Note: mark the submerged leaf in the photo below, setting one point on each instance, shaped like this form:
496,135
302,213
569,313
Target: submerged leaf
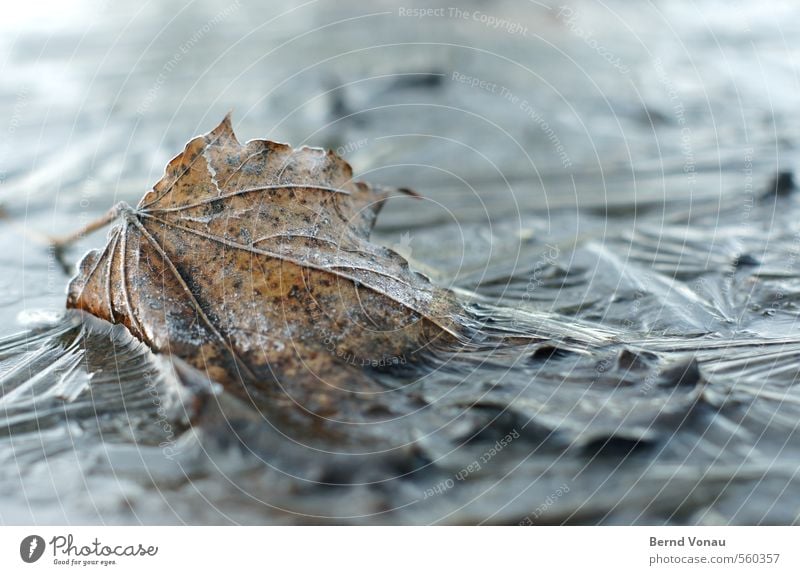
252,262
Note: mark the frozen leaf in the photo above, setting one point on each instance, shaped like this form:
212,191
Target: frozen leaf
252,262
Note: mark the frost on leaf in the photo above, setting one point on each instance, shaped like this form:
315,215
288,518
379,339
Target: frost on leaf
252,262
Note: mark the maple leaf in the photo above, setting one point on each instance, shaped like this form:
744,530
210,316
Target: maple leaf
252,263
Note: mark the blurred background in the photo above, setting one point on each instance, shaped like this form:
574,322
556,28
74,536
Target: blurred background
490,109
522,123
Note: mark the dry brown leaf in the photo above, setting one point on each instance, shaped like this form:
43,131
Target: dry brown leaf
252,262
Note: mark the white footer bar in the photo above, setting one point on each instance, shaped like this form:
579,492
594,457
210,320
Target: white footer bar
399,550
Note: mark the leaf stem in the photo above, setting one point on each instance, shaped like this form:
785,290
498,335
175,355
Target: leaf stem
63,242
